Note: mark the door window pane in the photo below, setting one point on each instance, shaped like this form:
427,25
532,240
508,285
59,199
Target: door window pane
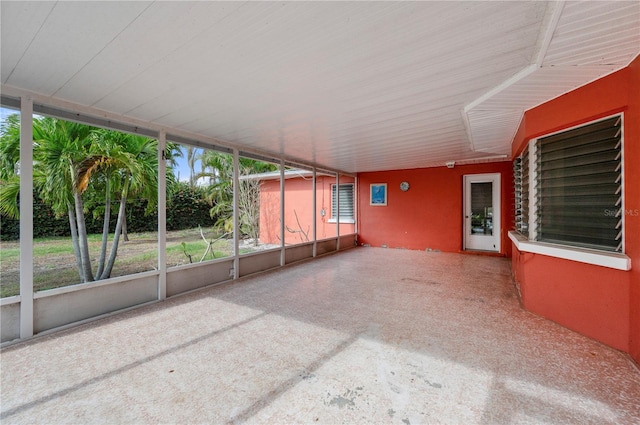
482,208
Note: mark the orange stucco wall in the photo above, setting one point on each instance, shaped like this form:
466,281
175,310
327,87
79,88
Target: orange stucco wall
299,203
429,214
596,301
592,300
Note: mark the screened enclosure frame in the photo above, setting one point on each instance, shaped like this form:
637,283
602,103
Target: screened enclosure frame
23,310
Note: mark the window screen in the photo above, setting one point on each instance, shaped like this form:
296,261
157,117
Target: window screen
521,189
578,188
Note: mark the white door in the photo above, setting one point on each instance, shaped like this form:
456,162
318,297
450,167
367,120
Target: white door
482,212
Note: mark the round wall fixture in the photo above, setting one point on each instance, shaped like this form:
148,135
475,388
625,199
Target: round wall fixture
404,186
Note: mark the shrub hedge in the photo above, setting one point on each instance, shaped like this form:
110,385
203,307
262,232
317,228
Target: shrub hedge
186,208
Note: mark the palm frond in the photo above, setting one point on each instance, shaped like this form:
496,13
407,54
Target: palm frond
87,167
9,191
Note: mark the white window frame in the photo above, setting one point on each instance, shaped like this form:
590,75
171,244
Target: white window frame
614,260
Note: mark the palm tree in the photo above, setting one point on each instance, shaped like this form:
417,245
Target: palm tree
9,146
128,164
72,159
59,149
219,168
9,165
192,157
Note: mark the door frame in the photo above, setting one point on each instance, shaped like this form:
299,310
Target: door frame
494,178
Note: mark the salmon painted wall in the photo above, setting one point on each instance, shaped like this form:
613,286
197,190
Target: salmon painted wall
429,214
596,301
269,223
299,210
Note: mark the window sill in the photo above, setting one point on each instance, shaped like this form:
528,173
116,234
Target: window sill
582,255
342,220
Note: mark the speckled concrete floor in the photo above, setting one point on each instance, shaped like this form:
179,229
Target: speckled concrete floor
365,336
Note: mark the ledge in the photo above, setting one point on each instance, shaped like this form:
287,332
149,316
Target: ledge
88,285
206,263
14,299
342,220
588,256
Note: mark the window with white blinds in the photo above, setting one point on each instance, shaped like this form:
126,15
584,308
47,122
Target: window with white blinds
578,186
346,201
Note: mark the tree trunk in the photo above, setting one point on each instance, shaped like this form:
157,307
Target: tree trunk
116,237
125,235
82,238
105,228
73,226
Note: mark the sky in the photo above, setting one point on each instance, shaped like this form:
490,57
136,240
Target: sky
5,112
181,171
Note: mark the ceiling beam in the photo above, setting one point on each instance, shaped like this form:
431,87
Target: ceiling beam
547,30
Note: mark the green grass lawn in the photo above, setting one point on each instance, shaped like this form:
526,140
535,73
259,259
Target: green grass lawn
41,247
55,266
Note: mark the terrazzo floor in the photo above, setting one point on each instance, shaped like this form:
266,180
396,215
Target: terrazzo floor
369,335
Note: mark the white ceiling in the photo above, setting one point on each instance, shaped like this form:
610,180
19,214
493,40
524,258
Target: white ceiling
354,86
